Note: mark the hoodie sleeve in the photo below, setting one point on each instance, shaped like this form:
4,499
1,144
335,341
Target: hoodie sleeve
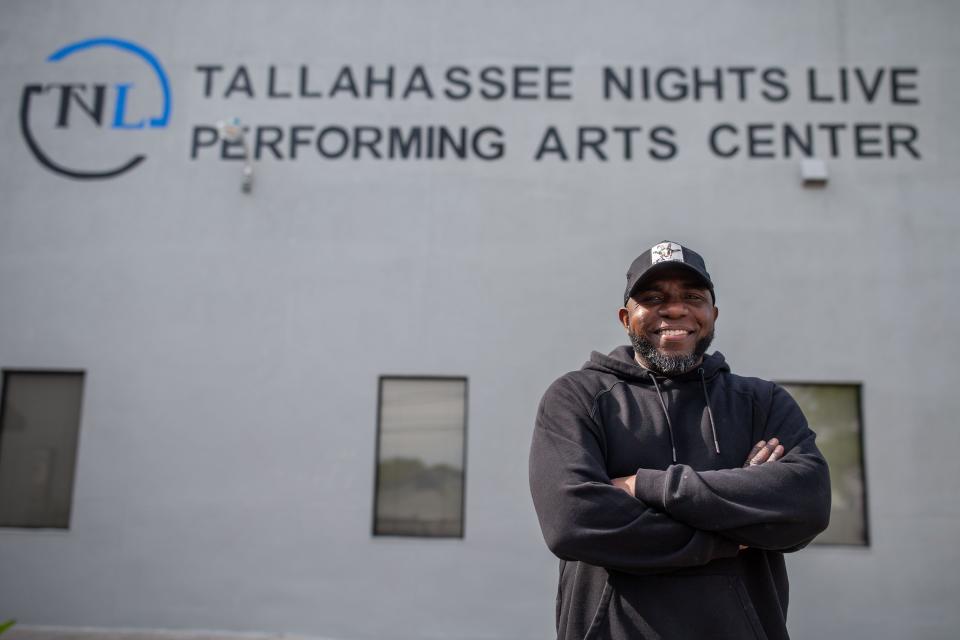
584,517
780,505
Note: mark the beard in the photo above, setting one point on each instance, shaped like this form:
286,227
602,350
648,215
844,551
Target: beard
666,363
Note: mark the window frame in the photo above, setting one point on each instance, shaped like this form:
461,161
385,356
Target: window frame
376,456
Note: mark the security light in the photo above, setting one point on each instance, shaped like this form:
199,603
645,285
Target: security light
232,131
814,172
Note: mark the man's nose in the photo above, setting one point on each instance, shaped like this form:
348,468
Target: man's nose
674,308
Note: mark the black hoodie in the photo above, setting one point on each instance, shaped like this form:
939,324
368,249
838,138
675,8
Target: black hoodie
666,563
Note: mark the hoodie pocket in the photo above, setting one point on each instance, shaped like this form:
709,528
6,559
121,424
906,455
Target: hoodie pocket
676,607
597,625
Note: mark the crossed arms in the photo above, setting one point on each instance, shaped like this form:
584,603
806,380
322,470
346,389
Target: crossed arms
676,517
762,453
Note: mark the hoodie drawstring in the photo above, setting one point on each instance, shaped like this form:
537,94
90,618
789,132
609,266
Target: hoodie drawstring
673,446
666,414
706,396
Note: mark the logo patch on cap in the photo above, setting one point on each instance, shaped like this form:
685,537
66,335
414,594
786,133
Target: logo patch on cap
666,251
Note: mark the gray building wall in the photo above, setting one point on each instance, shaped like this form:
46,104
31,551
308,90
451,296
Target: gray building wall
233,342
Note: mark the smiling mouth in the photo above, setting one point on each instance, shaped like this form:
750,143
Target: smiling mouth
673,333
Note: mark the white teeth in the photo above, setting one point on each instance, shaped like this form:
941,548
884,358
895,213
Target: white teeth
673,332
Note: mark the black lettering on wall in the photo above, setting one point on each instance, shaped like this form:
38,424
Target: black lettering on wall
554,84
202,137
900,82
492,77
520,83
627,133
812,92
272,91
373,81
664,147
832,129
268,137
457,76
699,83
866,145
208,70
592,138
366,137
672,92
551,143
902,135
494,149
233,149
791,138
623,85
727,151
240,83
419,83
345,82
869,88
408,147
305,91
741,73
447,140
324,147
775,84
760,140
296,140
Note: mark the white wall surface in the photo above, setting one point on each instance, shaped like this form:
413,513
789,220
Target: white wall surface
233,342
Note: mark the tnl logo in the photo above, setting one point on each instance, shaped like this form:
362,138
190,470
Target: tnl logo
101,103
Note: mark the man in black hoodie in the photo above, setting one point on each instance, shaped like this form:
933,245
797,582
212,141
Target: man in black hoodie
669,487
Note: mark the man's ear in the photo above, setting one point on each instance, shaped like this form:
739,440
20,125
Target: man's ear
624,315
716,312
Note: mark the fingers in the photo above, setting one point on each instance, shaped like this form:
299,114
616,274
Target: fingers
764,452
753,452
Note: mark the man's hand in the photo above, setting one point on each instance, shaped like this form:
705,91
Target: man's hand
627,483
764,452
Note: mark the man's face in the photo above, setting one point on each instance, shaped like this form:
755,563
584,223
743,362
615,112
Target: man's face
670,320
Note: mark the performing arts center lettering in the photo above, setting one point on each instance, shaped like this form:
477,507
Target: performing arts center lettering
722,90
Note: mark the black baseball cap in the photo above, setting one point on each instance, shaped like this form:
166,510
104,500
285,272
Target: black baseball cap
665,255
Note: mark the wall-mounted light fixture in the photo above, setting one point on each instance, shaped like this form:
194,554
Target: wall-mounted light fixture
813,172
232,131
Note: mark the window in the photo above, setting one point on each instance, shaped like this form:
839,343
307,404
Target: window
39,426
833,411
421,431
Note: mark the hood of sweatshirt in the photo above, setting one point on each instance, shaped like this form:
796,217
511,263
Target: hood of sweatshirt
621,363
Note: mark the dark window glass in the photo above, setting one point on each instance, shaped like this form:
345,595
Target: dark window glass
420,457
39,426
833,411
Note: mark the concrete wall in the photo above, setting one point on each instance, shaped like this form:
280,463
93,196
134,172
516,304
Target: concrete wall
233,342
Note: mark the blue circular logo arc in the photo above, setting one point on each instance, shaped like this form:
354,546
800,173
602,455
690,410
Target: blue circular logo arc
124,45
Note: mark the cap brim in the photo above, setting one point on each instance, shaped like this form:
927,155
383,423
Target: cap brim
660,267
